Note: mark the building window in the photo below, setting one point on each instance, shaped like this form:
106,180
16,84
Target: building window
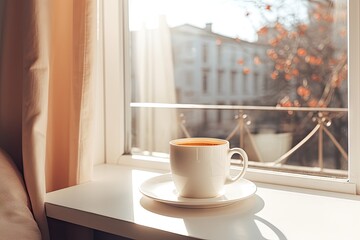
245,84
220,81
233,82
219,52
256,84
205,53
205,81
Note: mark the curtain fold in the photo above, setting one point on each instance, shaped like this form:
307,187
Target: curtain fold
35,105
85,74
49,102
72,93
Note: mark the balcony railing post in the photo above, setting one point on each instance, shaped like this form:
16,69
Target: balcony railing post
320,146
241,128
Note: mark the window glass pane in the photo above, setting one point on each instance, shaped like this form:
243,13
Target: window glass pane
269,76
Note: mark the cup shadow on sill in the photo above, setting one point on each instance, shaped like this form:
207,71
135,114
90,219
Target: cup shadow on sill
238,219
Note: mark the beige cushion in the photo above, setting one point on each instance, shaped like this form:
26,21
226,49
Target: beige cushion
16,219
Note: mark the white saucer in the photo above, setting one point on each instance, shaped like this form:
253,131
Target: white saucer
162,189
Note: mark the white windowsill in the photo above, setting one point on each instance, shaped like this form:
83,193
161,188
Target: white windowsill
256,175
113,203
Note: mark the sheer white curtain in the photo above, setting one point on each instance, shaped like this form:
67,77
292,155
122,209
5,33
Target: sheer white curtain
154,75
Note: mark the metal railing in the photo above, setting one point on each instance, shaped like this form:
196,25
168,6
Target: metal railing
322,117
321,127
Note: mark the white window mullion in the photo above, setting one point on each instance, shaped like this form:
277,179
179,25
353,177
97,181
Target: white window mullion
126,75
354,93
114,78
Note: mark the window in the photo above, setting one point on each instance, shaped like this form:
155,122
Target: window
219,52
245,82
295,108
205,81
220,81
233,82
256,83
205,53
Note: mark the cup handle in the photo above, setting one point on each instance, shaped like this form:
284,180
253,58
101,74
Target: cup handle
242,153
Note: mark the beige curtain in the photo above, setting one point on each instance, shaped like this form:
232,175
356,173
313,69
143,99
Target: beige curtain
11,79
47,71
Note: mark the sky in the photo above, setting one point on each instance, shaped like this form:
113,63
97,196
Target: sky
233,18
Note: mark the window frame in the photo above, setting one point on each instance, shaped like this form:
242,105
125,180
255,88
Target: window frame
115,48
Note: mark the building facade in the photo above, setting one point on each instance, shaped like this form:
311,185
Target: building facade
213,69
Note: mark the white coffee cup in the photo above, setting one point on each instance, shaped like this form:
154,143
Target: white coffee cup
200,167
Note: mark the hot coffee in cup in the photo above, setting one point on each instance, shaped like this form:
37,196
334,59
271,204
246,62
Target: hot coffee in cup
201,166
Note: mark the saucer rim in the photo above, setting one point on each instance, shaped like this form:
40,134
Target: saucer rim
193,202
